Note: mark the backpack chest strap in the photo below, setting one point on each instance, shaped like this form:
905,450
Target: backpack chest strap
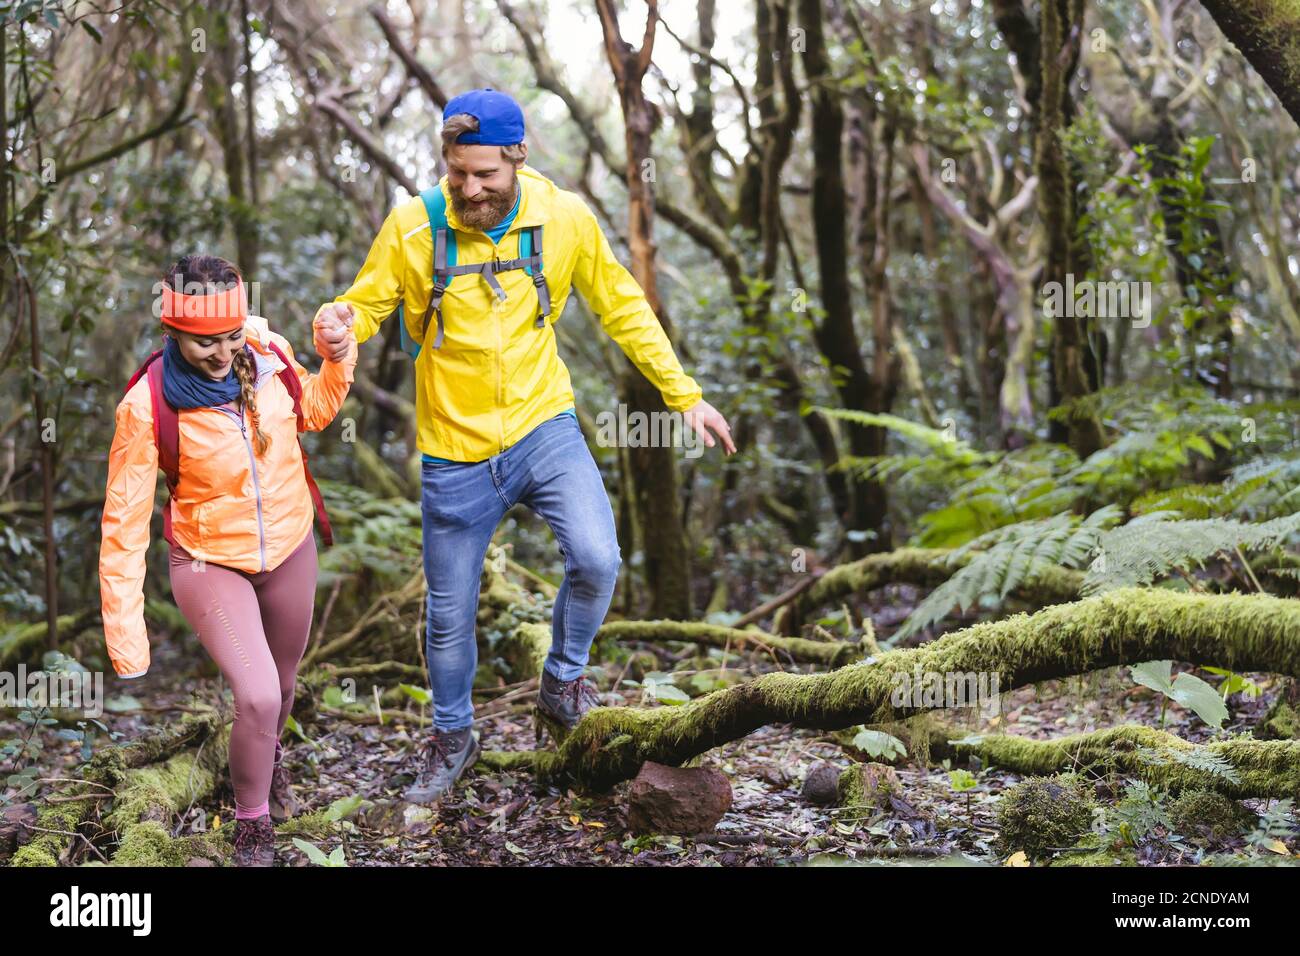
443,274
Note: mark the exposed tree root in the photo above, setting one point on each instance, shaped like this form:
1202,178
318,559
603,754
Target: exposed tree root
1243,632
146,775
924,567
390,612
27,641
829,654
1263,768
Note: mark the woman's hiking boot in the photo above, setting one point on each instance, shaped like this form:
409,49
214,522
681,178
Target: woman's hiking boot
254,842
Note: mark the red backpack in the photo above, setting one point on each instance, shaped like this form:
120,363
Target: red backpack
166,435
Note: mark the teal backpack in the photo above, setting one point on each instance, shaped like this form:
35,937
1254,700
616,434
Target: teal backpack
445,270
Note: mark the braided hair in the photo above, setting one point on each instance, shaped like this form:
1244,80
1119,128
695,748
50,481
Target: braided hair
221,275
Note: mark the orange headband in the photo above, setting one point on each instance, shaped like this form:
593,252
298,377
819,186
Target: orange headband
205,314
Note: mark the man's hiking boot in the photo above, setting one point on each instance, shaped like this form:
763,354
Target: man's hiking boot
282,802
254,842
446,755
561,704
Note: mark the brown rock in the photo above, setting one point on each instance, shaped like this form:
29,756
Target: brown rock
16,824
821,784
680,800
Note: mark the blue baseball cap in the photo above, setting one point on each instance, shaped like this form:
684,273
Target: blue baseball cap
500,120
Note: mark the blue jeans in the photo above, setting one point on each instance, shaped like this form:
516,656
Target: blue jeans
552,472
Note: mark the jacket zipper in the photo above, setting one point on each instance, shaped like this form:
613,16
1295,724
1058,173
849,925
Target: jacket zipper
257,489
501,425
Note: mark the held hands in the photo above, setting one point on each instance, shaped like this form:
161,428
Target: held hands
704,418
333,327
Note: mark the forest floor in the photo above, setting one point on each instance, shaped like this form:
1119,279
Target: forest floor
503,818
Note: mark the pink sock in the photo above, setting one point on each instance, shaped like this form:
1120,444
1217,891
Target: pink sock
253,814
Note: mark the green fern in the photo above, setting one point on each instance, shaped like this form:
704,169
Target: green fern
1151,547
1275,823
944,443
1197,759
1008,557
1261,488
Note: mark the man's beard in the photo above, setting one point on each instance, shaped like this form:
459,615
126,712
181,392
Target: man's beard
488,213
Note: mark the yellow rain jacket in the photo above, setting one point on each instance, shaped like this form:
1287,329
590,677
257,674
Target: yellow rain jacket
497,376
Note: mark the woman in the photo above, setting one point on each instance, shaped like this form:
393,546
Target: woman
243,556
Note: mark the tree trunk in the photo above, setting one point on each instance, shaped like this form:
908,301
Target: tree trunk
657,490
1267,32
1073,360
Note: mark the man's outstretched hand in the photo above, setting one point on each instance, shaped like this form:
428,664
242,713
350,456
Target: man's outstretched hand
333,331
706,419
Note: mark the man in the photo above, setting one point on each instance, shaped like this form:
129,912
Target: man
495,407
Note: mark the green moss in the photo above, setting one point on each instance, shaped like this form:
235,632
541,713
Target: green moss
1209,814
1097,851
311,826
1044,814
146,792
150,844
46,848
828,654
525,648
1281,723
867,787
1262,768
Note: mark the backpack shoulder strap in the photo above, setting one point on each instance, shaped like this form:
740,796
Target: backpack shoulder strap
292,384
534,237
435,208
166,426
166,431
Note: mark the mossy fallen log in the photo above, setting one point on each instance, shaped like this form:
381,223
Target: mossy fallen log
1242,632
27,642
123,770
148,798
1254,768
390,620
924,567
829,654
524,649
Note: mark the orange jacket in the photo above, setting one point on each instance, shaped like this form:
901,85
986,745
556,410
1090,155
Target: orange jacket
228,508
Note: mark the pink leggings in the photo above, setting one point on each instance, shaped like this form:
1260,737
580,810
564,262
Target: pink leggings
255,626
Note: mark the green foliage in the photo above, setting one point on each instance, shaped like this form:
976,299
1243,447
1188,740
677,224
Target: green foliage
20,755
1202,760
380,536
1276,823
1151,547
953,452
1008,558
962,780
1187,690
879,745
317,857
1138,813
1234,683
